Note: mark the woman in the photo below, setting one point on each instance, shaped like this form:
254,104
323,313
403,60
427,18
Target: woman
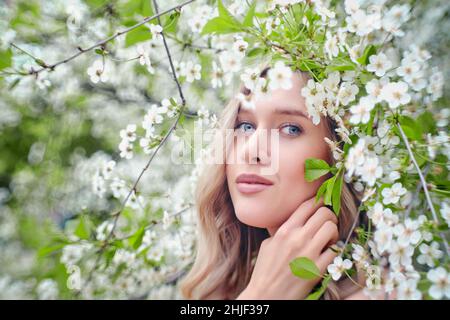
250,232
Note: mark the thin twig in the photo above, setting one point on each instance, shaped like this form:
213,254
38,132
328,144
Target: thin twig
26,52
180,91
192,45
355,222
155,223
103,42
424,184
419,185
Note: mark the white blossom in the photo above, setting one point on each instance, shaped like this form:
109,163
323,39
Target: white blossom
129,134
338,267
445,212
441,283
429,253
361,110
408,232
331,45
379,64
370,171
393,194
407,290
280,76
156,31
192,71
97,72
126,149
347,93
144,58
400,254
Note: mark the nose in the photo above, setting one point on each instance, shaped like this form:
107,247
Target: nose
256,148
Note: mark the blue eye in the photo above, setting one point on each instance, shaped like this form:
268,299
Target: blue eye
293,130
244,126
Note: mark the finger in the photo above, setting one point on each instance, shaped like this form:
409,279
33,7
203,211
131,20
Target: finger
325,259
301,214
327,235
316,221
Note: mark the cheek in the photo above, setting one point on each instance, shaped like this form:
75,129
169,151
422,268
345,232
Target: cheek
292,170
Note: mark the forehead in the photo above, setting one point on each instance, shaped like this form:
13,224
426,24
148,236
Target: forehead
290,101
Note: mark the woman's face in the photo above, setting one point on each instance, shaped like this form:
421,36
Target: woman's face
250,153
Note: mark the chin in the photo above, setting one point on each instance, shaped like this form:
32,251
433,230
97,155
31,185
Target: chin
254,219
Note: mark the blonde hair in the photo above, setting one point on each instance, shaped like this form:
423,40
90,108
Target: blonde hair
226,247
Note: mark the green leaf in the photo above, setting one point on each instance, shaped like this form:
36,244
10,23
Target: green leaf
315,168
329,191
219,25
182,119
304,268
223,24
317,294
305,65
205,62
336,196
146,8
248,20
133,7
82,229
170,24
136,239
411,128
45,251
40,62
173,102
369,125
109,254
339,65
427,122
321,190
138,35
5,59
370,50
311,16
342,67
255,52
14,83
225,14
440,191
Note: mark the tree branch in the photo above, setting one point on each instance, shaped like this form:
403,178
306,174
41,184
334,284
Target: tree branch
172,128
103,42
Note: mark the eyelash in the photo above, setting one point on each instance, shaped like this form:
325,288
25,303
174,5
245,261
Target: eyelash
300,130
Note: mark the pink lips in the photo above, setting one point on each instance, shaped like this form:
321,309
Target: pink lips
252,183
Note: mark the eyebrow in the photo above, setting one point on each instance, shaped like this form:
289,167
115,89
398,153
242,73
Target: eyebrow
291,112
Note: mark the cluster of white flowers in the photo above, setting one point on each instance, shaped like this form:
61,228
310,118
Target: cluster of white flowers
324,98
190,70
198,19
155,115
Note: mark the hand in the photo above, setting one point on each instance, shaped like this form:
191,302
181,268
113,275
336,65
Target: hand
307,233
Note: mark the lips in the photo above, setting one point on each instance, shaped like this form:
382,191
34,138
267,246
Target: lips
252,183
